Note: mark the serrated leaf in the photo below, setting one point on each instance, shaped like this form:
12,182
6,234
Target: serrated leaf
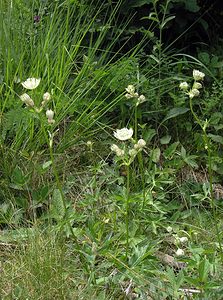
174,112
216,138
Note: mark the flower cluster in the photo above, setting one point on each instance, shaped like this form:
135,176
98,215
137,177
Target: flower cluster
194,91
125,134
31,84
131,93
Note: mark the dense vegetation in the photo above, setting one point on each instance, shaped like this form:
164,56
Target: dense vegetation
111,133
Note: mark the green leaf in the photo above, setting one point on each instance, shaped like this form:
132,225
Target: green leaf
156,155
139,3
174,112
192,5
216,138
170,151
165,139
57,206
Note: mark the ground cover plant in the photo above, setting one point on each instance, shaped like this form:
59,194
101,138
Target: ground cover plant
111,152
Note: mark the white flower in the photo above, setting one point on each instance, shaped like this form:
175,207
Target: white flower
114,148
49,114
140,144
179,252
27,100
117,150
123,134
198,75
141,99
184,86
131,92
46,97
130,89
169,229
197,85
31,83
120,152
183,239
132,152
193,93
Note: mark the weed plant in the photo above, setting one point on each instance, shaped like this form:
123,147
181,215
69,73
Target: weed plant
110,164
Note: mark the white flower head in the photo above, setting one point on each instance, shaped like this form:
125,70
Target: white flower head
120,152
49,114
197,85
198,75
46,97
130,89
27,100
193,93
123,134
140,144
179,252
114,148
31,83
169,229
184,86
117,150
141,99
183,239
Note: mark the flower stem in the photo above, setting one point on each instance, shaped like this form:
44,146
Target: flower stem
127,211
210,175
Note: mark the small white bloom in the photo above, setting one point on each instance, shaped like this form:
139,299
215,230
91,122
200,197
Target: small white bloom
114,148
49,114
193,93
179,252
169,229
197,85
27,100
141,99
198,75
183,239
140,144
128,96
117,150
132,152
120,152
130,89
184,86
31,83
123,134
46,97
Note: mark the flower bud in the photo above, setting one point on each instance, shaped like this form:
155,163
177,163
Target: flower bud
27,100
198,75
193,93
184,86
183,239
179,252
46,96
197,85
49,114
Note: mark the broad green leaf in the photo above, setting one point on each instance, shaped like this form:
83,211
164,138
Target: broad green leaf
156,155
165,139
57,206
174,112
170,151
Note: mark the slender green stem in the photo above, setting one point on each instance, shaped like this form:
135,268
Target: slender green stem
210,175
127,211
